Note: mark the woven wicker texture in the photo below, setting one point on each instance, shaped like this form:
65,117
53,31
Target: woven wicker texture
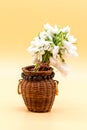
27,71
38,95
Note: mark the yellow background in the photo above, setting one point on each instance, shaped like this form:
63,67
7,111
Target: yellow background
20,22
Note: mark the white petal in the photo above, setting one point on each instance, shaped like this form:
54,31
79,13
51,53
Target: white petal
48,26
72,39
73,53
56,29
49,35
40,57
53,61
69,45
51,30
55,51
42,35
35,59
66,29
63,68
41,51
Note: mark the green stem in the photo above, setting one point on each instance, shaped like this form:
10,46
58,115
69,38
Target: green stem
46,56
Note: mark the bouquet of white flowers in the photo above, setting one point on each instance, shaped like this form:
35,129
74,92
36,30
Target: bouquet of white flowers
54,45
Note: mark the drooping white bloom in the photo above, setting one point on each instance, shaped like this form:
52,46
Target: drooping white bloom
55,51
71,39
66,29
56,29
51,30
48,27
37,42
33,49
35,58
46,45
69,45
43,35
53,61
62,67
73,53
40,57
71,49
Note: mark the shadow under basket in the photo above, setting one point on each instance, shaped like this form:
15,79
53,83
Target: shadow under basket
38,89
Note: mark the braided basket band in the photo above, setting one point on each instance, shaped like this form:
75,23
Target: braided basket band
37,77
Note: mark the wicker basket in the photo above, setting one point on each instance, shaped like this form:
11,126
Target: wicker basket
38,89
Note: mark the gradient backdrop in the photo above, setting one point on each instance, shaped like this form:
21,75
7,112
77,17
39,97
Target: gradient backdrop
20,22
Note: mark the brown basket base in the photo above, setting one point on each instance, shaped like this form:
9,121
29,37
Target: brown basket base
41,105
38,95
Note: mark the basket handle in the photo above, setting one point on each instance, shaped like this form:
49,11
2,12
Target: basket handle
19,86
56,84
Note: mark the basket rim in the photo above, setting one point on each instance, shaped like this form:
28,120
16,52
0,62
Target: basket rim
28,72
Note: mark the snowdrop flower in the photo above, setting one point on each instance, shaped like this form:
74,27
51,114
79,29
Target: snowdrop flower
53,61
51,30
48,27
71,39
68,45
63,68
55,51
73,53
40,57
33,50
66,29
56,29
35,59
37,42
46,45
43,35
71,49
